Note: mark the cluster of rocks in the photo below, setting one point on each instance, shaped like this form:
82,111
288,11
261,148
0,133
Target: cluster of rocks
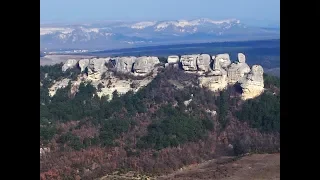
137,66
217,72
101,73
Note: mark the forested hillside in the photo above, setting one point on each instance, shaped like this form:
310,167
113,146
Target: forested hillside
152,131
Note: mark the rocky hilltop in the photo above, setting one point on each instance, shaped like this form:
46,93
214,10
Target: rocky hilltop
131,73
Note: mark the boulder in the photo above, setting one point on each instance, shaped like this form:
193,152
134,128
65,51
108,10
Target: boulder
216,79
189,62
144,65
83,64
224,60
96,67
124,64
241,58
238,70
173,59
214,83
203,62
252,85
69,64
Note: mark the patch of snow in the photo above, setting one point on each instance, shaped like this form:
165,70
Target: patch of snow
51,30
142,25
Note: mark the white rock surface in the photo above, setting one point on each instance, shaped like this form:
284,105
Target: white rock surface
69,64
189,62
224,60
144,65
252,85
124,64
173,59
216,78
203,62
241,58
214,83
238,70
96,67
83,64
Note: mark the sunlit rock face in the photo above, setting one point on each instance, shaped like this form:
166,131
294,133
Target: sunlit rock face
253,85
173,59
216,79
144,65
83,64
69,64
124,64
203,62
214,72
189,62
238,70
224,60
96,67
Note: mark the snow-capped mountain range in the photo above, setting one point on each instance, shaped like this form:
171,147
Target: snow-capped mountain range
111,35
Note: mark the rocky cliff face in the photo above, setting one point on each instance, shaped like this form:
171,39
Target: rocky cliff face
215,72
144,65
252,85
124,64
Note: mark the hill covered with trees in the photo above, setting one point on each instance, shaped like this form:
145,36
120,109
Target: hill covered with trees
152,131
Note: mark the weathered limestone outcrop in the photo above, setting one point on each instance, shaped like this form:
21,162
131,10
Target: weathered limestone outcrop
224,60
237,70
216,79
203,62
189,62
70,63
144,65
96,67
124,64
83,64
173,59
253,85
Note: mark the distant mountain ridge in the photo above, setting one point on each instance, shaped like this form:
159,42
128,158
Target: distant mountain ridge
112,35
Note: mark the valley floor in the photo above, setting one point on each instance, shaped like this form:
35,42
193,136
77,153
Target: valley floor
256,166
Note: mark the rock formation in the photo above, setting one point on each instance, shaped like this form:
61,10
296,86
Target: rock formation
218,77
173,59
189,62
83,64
252,85
70,63
144,65
196,62
203,62
237,70
224,60
96,67
124,64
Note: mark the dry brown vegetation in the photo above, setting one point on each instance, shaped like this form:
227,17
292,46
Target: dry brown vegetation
96,160
256,166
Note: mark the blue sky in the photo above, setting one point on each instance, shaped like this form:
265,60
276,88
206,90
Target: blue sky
255,12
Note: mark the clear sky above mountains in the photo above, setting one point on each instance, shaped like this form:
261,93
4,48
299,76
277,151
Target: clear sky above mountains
254,12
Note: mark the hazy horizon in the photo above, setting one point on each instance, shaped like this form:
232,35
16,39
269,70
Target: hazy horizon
251,12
